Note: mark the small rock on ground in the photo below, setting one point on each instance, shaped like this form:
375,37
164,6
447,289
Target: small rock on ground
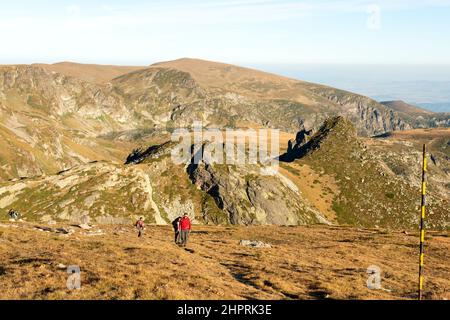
254,244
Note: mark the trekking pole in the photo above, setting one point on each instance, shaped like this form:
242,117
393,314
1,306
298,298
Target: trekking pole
422,221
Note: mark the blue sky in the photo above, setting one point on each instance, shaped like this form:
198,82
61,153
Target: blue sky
236,31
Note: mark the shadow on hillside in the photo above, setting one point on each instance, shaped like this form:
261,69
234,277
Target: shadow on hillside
139,155
299,149
316,292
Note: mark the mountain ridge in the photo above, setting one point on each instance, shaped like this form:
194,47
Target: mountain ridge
402,106
76,119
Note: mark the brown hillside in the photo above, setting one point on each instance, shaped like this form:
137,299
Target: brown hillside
242,80
315,262
402,106
89,72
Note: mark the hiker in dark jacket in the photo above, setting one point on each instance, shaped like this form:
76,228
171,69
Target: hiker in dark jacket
140,226
185,227
176,229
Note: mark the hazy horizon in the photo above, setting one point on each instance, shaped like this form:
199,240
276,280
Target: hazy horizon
427,86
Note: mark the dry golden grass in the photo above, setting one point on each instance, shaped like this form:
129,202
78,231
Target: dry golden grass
245,81
89,72
318,189
421,133
304,263
402,106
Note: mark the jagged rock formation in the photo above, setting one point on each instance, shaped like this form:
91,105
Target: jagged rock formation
371,194
369,116
247,197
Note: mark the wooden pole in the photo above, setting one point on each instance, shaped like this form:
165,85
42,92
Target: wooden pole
422,221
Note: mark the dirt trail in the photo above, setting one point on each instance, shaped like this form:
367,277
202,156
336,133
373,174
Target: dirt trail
147,187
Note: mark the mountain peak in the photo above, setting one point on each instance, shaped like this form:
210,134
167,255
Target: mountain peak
189,61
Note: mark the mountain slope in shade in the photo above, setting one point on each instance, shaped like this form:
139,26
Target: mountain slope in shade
95,73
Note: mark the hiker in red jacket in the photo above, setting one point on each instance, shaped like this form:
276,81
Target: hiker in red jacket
140,226
185,229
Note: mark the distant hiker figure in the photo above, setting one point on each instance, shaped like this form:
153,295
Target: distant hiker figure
185,227
176,229
140,226
13,214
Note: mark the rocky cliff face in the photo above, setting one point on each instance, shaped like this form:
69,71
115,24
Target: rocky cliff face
247,197
370,117
418,117
50,122
58,96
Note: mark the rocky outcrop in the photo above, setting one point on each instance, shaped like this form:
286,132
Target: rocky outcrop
435,120
247,197
369,117
378,185
98,192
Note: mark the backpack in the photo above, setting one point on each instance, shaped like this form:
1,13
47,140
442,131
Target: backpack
139,224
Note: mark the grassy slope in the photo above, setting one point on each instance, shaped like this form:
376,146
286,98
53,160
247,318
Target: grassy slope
341,180
368,196
304,263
